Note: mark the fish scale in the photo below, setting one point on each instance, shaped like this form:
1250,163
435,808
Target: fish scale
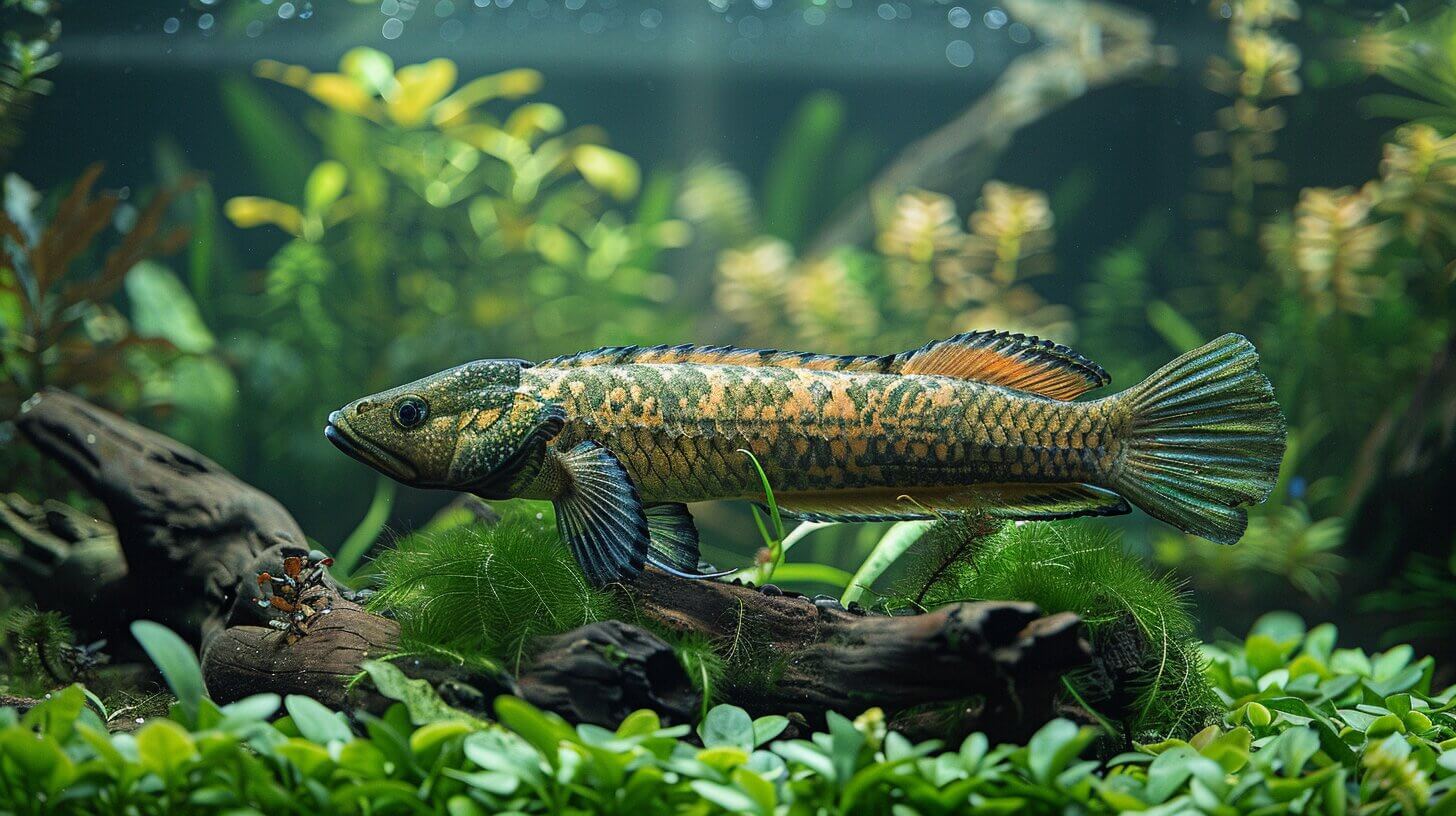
892,418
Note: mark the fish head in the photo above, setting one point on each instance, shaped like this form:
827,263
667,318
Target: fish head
467,428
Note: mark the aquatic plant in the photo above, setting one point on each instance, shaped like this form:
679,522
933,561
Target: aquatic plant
439,214
486,592
1147,673
928,277
27,55
61,329
1305,728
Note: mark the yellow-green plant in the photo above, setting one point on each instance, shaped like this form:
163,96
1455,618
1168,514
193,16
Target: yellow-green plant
447,220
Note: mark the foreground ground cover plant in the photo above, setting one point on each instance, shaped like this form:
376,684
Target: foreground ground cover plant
1305,728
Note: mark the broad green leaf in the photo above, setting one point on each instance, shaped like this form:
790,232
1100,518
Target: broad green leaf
730,799
164,747
544,730
57,714
315,721
418,696
177,663
324,186
162,307
766,728
728,726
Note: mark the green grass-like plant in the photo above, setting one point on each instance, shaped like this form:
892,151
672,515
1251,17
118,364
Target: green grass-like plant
1148,672
487,591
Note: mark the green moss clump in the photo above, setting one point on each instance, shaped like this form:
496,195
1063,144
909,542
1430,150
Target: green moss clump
1148,668
486,591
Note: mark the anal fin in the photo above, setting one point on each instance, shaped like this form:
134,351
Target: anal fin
600,516
1008,500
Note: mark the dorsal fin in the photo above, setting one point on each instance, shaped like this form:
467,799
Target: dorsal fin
997,358
1009,360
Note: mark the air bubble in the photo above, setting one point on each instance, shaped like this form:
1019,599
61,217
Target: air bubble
958,17
171,25
995,18
393,27
960,53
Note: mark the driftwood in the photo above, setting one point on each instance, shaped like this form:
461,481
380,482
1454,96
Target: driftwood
193,539
188,530
1090,45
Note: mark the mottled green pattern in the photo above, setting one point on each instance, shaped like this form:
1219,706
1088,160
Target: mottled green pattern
678,429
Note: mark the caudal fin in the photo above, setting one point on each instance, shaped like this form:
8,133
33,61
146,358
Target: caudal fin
1205,439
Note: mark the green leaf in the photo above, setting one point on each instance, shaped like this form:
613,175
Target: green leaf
732,800
324,187
57,714
897,540
277,152
352,551
1054,746
38,757
607,170
315,721
766,728
419,697
164,747
162,307
728,726
177,663
544,730
1173,327
795,183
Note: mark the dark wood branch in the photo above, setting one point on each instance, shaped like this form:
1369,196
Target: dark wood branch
1092,45
597,674
814,657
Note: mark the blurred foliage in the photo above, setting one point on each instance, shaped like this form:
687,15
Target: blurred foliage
27,34
928,277
59,330
444,223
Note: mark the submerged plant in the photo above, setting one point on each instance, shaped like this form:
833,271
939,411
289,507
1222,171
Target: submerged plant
61,329
1147,673
486,591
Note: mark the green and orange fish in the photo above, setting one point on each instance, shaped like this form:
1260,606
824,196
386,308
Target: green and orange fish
622,439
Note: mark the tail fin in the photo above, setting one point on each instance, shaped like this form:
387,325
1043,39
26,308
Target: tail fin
1204,438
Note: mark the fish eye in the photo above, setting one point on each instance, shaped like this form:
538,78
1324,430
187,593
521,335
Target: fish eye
410,411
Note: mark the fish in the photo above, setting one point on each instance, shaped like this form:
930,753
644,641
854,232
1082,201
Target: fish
622,439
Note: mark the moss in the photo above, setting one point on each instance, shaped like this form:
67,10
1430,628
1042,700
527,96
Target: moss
1148,670
486,592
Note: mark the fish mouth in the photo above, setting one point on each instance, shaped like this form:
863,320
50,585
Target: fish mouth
337,431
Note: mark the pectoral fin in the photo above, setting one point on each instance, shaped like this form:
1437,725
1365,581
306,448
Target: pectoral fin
599,515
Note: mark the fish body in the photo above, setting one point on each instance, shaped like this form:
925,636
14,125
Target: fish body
680,430
621,439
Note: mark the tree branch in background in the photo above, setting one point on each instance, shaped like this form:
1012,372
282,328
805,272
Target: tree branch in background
1089,45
